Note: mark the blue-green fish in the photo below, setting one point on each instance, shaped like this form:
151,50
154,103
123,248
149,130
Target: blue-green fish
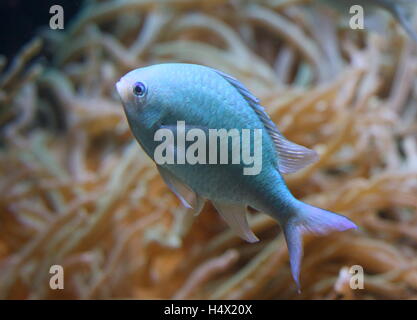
399,9
158,96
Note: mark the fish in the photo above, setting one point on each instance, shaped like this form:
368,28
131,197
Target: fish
399,9
158,97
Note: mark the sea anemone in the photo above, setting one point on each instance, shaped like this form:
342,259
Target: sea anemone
77,191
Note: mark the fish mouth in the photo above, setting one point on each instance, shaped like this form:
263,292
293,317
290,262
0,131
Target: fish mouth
121,90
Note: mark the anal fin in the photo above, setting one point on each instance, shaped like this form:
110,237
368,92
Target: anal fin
235,216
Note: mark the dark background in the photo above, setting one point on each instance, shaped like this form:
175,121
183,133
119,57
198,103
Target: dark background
21,19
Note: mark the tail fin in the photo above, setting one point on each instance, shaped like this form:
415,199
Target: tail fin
309,219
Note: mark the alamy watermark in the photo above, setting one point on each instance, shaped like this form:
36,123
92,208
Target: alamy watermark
212,146
57,19
357,278
56,282
357,20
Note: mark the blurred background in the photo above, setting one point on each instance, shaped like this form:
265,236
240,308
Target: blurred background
77,191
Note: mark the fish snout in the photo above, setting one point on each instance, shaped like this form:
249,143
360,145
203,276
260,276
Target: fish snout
122,90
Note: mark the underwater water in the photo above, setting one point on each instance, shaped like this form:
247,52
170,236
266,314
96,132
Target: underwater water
78,193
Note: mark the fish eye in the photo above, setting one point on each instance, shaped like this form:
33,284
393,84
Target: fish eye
139,89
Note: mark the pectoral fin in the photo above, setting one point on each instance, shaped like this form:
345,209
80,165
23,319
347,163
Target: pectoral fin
235,216
188,198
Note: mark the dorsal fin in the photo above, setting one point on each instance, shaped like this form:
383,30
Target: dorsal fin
291,156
